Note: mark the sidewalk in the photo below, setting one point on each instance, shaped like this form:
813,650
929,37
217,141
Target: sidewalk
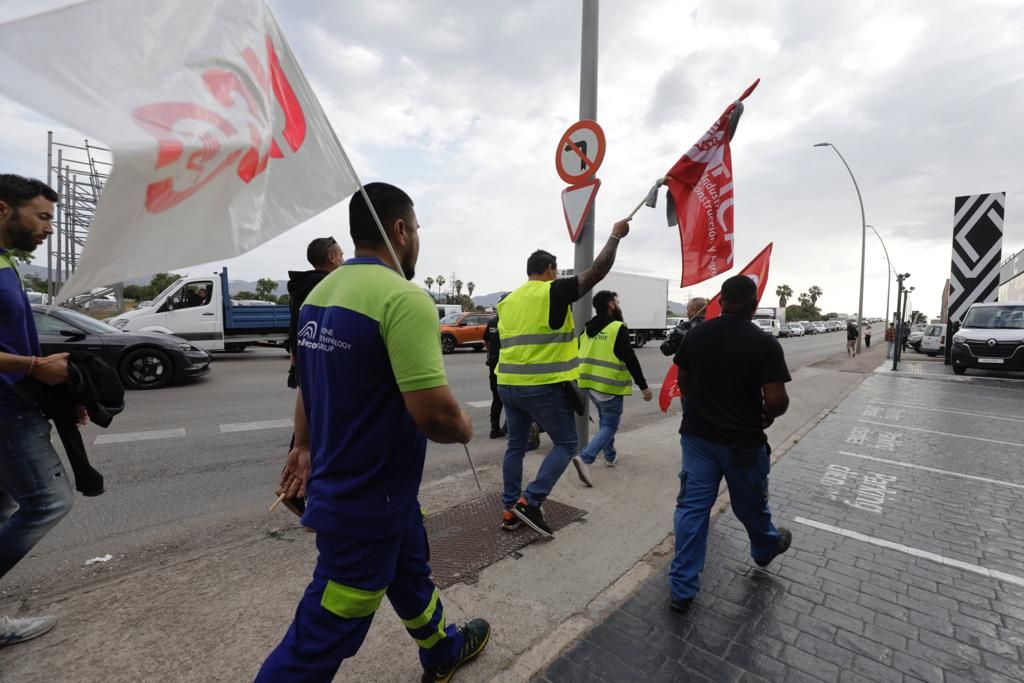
920,366
907,561
214,614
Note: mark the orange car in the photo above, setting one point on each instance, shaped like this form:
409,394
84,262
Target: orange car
464,329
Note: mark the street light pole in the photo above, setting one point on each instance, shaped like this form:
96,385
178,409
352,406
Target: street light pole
900,277
863,241
888,278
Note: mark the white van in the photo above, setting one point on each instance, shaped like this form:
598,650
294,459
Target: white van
991,337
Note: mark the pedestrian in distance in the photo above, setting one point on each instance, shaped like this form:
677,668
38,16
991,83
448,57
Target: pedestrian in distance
695,308
732,378
538,366
372,391
890,340
851,339
608,368
867,336
34,490
325,255
493,343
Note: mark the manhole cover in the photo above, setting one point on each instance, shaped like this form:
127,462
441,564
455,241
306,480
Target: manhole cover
467,538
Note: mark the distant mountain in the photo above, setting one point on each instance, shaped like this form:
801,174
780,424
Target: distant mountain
677,308
488,300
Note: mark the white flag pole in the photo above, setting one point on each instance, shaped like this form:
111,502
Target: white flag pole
366,198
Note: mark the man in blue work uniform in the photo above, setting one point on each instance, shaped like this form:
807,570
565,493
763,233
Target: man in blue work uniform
373,390
732,378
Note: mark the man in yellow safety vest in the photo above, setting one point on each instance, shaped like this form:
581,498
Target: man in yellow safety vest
539,356
608,368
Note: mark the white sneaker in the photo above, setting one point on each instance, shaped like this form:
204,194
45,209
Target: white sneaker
14,631
611,463
583,471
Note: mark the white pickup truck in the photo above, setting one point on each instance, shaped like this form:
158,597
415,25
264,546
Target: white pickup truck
200,310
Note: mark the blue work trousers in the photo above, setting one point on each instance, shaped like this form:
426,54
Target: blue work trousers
351,578
548,406
746,474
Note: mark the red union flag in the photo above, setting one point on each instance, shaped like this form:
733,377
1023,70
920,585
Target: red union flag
700,189
219,143
756,270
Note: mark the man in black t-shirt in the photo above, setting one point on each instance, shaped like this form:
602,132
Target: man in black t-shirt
732,379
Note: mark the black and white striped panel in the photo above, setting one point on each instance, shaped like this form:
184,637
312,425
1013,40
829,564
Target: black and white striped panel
977,250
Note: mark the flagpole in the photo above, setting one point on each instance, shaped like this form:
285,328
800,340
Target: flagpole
366,198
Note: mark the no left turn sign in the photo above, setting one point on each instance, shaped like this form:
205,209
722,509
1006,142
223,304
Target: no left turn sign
580,152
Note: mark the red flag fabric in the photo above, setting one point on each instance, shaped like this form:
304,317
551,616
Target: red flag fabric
700,185
756,270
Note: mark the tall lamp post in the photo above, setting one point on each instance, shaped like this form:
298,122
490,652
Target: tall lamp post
888,279
900,311
863,241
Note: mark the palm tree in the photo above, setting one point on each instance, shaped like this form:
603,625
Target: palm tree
469,288
814,292
429,282
784,292
440,283
804,299
458,288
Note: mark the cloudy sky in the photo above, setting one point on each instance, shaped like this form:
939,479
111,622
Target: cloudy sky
462,103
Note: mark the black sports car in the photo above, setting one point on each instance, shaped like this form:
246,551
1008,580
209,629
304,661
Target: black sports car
144,360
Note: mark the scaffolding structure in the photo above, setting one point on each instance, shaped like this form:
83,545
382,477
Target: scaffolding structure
78,173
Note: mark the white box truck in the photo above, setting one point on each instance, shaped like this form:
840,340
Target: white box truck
644,300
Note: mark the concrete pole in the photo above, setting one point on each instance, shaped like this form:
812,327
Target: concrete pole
584,256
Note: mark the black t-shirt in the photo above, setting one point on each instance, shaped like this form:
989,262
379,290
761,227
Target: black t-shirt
727,360
564,293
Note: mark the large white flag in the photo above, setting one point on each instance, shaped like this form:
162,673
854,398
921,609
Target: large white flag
219,143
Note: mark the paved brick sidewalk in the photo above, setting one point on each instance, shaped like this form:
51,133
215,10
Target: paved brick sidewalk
907,562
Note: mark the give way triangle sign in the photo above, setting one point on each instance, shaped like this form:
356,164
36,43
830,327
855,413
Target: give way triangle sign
576,203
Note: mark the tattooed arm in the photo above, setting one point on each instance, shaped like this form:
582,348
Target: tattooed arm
605,260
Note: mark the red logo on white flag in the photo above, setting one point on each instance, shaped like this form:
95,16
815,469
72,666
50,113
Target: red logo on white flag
240,134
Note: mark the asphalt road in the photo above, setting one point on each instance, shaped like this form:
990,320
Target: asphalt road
197,464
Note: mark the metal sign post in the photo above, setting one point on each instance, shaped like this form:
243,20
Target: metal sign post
584,253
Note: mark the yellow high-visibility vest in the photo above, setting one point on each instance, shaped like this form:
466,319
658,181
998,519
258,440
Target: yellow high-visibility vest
531,352
600,368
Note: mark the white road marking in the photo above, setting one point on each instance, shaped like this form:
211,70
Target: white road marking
478,404
932,431
948,410
934,469
252,426
916,552
139,436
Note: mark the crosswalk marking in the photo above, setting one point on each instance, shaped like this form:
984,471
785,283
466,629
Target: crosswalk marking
252,426
151,435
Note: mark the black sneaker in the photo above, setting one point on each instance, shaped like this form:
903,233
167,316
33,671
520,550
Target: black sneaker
496,433
533,440
509,522
533,517
476,634
680,605
785,540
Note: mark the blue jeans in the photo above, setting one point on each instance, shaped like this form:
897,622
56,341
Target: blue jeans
548,405
746,473
610,412
35,492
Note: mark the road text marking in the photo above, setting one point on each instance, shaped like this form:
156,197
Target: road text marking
932,431
478,404
252,426
913,406
916,552
139,436
935,469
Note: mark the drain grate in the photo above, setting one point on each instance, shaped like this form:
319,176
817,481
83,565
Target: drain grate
467,538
